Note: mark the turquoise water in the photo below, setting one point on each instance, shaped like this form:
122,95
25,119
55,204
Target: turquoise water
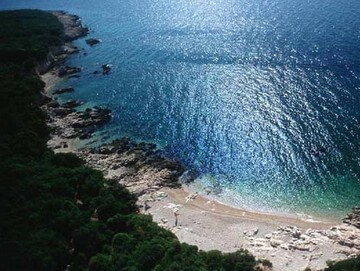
260,97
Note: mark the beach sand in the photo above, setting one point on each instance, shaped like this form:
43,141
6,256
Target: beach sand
289,243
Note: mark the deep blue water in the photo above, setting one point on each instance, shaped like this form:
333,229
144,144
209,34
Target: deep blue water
261,97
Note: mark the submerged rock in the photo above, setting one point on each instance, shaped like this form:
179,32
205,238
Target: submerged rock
64,90
106,68
92,41
72,103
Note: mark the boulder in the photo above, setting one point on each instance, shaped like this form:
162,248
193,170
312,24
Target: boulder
92,41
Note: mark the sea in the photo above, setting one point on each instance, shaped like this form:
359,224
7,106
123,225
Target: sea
260,99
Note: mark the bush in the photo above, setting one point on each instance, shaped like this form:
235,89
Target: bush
345,265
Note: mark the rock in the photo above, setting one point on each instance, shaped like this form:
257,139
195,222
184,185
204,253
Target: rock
106,68
276,242
315,256
251,232
64,90
85,135
64,71
189,176
192,196
72,103
61,112
92,41
44,99
73,27
300,247
159,195
70,49
296,234
353,218
347,243
284,246
53,104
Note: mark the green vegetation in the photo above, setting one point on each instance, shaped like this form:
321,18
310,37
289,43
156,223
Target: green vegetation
346,265
57,214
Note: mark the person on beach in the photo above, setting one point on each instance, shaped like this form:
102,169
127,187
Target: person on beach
176,214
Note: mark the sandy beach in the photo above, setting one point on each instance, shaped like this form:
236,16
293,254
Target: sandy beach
290,244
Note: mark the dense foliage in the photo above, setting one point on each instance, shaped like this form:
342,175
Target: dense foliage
346,265
57,214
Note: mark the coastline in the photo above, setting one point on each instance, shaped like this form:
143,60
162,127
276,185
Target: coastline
290,243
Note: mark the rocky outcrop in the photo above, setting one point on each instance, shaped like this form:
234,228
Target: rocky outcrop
68,123
73,29
92,41
139,166
67,70
63,90
73,26
72,103
353,218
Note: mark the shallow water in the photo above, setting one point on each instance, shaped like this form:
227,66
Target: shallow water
261,97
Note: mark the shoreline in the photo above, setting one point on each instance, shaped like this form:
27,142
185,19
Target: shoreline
184,195
290,243
277,216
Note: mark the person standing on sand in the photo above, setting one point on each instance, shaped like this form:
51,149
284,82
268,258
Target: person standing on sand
176,214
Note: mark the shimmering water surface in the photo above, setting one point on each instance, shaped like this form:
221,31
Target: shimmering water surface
261,97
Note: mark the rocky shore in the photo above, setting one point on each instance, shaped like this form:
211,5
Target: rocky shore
138,166
290,244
